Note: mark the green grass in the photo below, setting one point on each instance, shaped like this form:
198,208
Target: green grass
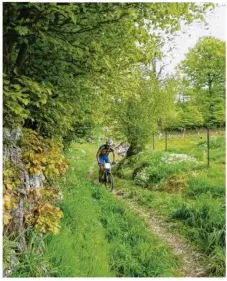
187,194
30,262
80,249
100,237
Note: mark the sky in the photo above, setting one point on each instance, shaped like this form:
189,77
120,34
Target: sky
189,35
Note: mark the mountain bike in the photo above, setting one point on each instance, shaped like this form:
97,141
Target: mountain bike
107,177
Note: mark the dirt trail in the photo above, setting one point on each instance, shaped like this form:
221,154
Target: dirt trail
192,260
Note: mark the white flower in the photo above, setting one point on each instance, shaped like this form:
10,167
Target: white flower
177,158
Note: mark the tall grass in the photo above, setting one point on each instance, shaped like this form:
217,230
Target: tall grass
31,262
80,249
100,237
187,193
134,251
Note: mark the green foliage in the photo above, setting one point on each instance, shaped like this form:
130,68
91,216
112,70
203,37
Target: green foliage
31,263
42,155
11,184
61,60
151,168
214,143
206,219
202,218
187,116
19,95
36,205
191,198
14,103
80,249
45,218
9,253
136,115
218,262
204,69
130,254
77,132
211,181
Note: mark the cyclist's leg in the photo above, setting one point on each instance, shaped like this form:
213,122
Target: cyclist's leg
101,167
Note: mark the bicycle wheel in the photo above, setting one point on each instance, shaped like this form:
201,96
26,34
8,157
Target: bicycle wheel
104,178
109,183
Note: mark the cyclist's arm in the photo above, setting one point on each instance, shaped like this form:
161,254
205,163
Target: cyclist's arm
113,156
97,155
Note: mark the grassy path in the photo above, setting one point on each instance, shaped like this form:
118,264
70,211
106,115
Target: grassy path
139,241
185,204
100,235
192,260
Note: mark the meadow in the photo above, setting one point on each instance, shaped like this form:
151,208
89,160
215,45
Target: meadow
100,237
178,185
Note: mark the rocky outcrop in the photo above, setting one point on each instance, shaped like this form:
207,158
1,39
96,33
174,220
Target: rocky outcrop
12,152
121,149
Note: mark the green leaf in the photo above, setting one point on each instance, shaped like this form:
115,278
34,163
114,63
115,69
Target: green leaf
22,30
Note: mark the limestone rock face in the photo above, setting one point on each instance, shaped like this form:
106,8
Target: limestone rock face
12,152
121,149
36,181
12,136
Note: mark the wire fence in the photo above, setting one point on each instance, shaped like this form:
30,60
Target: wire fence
170,140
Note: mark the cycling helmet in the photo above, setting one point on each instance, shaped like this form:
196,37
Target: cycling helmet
109,142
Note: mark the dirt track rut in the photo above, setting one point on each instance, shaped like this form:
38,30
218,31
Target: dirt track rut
192,260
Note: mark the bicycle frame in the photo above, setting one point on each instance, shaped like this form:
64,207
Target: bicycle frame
107,176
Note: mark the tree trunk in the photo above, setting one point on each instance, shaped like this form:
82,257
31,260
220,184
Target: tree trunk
133,150
21,57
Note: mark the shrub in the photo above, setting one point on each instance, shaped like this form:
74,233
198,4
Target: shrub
161,166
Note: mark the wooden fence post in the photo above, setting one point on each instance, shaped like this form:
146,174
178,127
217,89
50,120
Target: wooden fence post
165,140
153,141
208,146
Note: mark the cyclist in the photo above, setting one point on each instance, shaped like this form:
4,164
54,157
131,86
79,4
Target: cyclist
102,156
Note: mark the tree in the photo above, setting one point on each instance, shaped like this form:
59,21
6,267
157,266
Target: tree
62,64
185,112
136,116
204,69
71,49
